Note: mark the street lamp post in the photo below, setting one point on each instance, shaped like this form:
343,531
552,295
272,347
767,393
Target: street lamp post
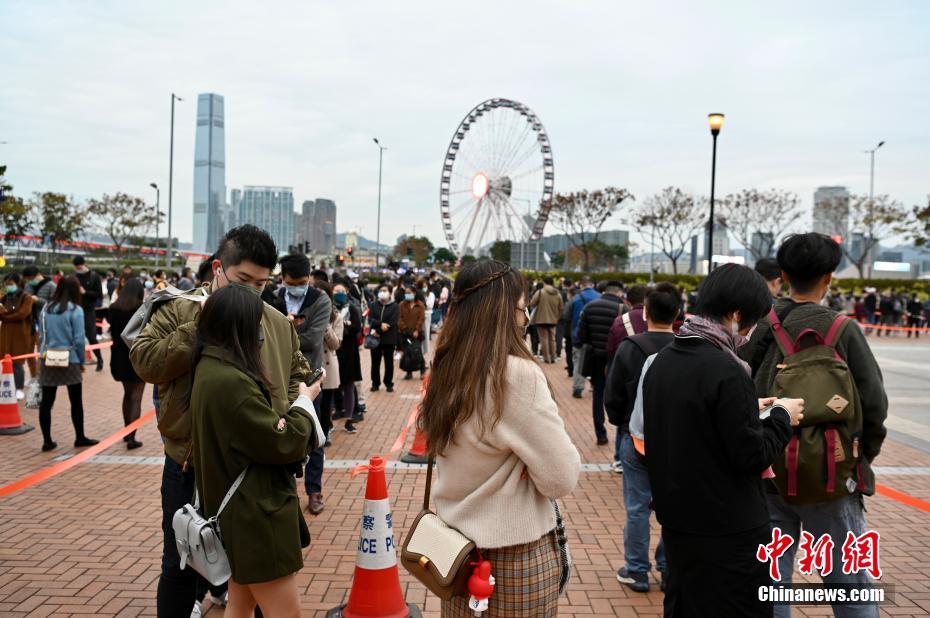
716,121
652,251
381,150
168,258
157,216
871,204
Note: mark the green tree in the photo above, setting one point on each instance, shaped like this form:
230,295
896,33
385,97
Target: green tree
919,225
57,215
612,257
557,259
416,248
442,255
500,250
875,218
582,214
122,217
468,259
769,213
15,214
674,216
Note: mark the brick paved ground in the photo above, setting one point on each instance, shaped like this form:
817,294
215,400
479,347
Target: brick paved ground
88,542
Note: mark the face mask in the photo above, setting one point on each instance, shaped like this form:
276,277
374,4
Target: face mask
384,296
297,291
423,290
11,289
149,284
249,288
32,283
340,298
408,297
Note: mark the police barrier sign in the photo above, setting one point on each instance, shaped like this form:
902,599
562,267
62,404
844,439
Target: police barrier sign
376,548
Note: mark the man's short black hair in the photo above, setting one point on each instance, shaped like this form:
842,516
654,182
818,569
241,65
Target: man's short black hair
663,303
320,275
30,271
548,280
731,287
78,260
617,286
768,268
205,270
806,258
566,282
296,265
636,295
247,243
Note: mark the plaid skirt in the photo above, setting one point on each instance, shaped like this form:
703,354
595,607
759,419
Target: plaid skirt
526,582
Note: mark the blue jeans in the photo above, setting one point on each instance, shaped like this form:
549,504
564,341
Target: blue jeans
835,518
313,473
637,494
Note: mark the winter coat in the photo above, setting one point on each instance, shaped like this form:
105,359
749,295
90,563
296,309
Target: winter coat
548,305
581,299
234,424
412,317
378,314
16,329
315,310
332,338
619,331
120,365
350,365
161,355
595,322
61,331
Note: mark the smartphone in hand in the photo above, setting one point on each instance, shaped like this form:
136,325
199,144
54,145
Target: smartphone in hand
314,377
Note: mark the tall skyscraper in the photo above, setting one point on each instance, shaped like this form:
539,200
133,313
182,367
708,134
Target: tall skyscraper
210,210
235,196
272,209
831,212
318,225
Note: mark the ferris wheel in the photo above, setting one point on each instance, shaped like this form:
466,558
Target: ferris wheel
497,178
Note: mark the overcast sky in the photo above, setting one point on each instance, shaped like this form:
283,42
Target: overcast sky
623,89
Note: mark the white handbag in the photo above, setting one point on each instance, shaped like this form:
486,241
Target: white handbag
55,357
199,540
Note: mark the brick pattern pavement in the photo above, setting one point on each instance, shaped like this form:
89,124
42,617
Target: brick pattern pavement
88,542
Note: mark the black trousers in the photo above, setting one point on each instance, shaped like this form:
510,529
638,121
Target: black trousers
569,360
387,353
77,410
716,575
90,331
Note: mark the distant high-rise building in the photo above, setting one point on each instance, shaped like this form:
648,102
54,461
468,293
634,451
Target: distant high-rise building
272,209
318,225
210,210
235,196
831,212
762,244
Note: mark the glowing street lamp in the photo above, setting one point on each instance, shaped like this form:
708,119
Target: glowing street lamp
716,122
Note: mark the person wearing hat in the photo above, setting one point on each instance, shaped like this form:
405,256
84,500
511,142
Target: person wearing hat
91,294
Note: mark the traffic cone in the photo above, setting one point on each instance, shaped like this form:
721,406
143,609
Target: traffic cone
417,453
10,422
376,589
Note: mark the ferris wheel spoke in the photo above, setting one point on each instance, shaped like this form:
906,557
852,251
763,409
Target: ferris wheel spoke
517,129
503,140
471,227
461,207
516,161
524,228
484,229
533,170
513,147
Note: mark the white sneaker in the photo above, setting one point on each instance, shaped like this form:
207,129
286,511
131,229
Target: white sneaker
196,612
20,395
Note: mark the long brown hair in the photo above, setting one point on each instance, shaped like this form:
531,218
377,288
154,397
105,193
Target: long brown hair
478,336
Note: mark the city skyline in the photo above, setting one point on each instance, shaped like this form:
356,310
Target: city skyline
802,104
211,214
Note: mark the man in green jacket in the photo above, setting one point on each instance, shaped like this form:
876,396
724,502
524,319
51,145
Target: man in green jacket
161,355
807,262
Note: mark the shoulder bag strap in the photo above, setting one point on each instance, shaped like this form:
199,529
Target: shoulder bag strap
429,482
229,494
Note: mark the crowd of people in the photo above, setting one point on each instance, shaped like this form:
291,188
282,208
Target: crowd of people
233,351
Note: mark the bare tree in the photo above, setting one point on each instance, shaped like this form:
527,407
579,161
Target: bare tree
919,225
582,214
122,217
875,219
676,216
768,213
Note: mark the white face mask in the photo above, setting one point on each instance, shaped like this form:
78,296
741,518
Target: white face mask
384,296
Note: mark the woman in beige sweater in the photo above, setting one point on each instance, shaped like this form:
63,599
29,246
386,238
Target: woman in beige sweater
502,450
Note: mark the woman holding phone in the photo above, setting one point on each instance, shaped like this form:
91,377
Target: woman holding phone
235,428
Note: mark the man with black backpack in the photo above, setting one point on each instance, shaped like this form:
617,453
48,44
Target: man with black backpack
663,303
806,350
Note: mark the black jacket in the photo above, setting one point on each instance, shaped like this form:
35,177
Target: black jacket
378,314
595,321
706,448
93,292
623,376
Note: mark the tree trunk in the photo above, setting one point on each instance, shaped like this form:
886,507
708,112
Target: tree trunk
674,265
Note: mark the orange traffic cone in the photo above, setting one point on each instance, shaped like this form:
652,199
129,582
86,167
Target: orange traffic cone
417,453
376,589
10,422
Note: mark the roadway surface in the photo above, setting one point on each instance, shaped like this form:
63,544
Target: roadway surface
905,366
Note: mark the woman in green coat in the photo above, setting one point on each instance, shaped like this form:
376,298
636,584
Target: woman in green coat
234,427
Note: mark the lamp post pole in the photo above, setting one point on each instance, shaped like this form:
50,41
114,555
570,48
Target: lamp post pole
868,257
716,121
652,252
157,216
381,150
169,257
